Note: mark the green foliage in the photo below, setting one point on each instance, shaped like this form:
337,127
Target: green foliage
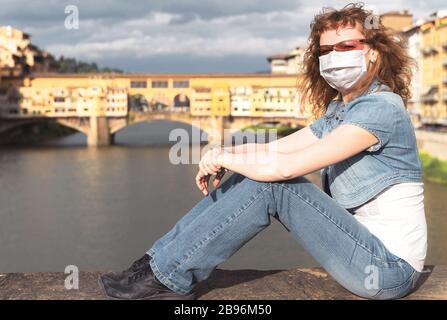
434,169
281,129
71,65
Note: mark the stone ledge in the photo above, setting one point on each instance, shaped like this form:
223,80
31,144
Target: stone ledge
295,284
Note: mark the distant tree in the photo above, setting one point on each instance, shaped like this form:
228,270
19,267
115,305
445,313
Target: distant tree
110,70
70,65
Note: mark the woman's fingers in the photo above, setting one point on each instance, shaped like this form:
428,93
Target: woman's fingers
207,167
206,179
202,182
202,165
207,163
199,181
211,169
202,169
219,177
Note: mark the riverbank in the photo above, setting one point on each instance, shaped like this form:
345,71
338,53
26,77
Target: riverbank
294,284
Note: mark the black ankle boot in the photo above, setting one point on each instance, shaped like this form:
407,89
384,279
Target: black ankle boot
135,267
140,285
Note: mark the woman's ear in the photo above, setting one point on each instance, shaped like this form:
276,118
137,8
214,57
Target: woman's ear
373,54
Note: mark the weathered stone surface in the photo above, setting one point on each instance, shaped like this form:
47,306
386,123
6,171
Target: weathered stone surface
222,285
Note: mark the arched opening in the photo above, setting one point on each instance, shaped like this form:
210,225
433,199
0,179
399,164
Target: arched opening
181,102
32,131
138,103
159,133
159,102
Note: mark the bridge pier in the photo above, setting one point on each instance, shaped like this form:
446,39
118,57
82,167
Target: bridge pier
216,134
99,134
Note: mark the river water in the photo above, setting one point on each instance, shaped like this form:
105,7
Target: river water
63,203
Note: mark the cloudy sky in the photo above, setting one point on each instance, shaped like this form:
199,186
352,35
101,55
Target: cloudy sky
179,35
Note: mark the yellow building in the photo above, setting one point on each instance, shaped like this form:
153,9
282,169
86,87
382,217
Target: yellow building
396,20
242,100
59,101
18,56
288,63
201,97
220,99
434,64
413,36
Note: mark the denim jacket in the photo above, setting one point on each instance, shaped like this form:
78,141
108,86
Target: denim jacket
394,159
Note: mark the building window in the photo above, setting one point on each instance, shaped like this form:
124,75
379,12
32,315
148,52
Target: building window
181,83
138,84
59,99
159,84
203,90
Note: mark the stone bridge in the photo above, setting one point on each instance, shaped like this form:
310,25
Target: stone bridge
100,130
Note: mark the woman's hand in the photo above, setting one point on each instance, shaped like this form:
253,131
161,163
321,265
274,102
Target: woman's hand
210,164
211,161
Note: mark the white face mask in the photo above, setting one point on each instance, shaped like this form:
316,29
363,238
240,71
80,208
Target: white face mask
342,69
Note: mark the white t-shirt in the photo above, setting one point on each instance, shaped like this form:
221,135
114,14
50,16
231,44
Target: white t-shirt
396,216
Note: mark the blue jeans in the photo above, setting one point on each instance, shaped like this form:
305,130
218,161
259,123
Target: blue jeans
229,216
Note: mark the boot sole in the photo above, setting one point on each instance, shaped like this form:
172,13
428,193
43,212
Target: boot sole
167,296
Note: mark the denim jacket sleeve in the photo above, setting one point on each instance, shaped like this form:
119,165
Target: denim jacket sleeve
375,114
317,127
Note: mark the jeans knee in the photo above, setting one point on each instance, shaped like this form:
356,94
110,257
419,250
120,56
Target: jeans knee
254,184
294,181
300,186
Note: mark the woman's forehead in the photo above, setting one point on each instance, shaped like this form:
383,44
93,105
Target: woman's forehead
332,36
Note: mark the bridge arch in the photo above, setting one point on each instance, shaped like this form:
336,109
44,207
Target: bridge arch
181,100
79,124
13,124
147,118
159,101
138,102
198,133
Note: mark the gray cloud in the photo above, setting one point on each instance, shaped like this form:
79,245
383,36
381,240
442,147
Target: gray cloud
200,34
51,10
